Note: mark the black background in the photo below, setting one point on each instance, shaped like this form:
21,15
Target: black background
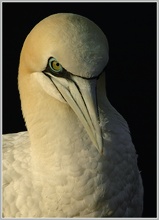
131,71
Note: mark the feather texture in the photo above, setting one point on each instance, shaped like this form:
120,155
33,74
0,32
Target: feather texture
55,169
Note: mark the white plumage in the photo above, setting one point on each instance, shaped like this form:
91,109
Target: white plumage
77,158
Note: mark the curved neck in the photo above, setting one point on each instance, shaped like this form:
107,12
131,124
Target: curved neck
48,122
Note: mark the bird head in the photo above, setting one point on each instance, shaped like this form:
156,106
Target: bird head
67,54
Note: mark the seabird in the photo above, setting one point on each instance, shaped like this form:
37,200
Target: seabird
76,158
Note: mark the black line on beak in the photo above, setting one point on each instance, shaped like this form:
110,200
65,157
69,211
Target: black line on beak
54,84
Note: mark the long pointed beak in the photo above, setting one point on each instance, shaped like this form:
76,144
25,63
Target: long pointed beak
81,95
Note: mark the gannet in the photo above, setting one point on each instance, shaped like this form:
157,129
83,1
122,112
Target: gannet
76,158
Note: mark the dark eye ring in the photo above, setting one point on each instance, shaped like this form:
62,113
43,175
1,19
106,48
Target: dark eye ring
55,65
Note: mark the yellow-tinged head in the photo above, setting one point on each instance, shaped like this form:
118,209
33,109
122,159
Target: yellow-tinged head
77,43
66,53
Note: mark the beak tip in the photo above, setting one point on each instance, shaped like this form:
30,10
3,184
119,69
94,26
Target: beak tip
99,145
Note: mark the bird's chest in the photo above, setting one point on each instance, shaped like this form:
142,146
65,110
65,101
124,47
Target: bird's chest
71,178
69,173
75,186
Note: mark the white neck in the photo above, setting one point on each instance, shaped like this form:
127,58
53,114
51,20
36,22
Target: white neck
52,125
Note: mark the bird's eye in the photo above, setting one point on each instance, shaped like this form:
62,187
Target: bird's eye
55,65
